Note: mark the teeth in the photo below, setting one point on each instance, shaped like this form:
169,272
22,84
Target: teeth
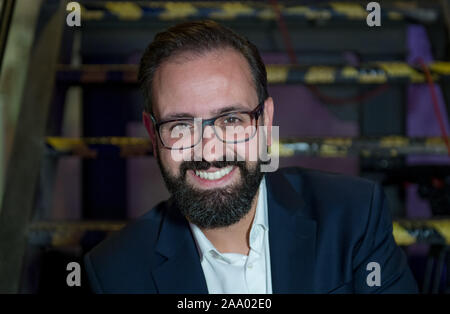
214,175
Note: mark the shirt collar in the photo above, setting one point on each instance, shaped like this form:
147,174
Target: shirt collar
203,244
261,221
261,215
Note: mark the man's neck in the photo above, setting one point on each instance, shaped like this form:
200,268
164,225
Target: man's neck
234,238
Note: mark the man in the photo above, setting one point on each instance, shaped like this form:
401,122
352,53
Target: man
228,226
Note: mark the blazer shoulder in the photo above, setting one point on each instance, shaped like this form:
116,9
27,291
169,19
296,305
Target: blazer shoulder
125,251
332,195
144,227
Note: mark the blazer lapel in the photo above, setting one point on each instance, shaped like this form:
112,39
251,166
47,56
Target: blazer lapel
182,271
292,237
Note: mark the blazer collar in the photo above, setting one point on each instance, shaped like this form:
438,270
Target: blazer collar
182,271
292,236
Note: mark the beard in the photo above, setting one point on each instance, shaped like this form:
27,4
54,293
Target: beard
213,208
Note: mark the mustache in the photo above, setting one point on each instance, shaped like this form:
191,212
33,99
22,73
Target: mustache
205,165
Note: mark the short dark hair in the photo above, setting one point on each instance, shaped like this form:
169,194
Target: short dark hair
198,37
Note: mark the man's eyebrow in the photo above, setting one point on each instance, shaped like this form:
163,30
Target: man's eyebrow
186,115
232,108
179,115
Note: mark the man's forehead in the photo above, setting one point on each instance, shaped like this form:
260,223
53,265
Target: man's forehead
189,67
206,84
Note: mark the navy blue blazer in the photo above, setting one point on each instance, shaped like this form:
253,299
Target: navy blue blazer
324,229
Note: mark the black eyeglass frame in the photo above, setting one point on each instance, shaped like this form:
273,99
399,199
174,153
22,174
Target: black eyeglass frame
255,113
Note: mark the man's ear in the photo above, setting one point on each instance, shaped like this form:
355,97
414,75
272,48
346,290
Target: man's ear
148,123
268,118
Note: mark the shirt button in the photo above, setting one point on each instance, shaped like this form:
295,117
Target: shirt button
214,254
250,266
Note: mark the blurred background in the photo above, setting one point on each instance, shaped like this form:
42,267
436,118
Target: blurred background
76,164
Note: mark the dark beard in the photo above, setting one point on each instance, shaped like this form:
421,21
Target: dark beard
215,208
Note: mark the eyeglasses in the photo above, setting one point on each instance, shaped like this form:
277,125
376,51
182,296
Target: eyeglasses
231,128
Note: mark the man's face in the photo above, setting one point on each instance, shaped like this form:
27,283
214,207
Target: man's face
210,193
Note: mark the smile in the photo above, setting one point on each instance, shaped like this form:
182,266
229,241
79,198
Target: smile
214,175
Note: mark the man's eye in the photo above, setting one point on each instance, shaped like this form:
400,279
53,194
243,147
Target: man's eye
232,120
181,127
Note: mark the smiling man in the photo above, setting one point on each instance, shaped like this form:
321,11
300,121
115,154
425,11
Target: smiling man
229,227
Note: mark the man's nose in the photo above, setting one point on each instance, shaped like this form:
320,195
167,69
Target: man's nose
211,148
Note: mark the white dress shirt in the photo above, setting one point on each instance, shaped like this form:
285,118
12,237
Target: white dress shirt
231,273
